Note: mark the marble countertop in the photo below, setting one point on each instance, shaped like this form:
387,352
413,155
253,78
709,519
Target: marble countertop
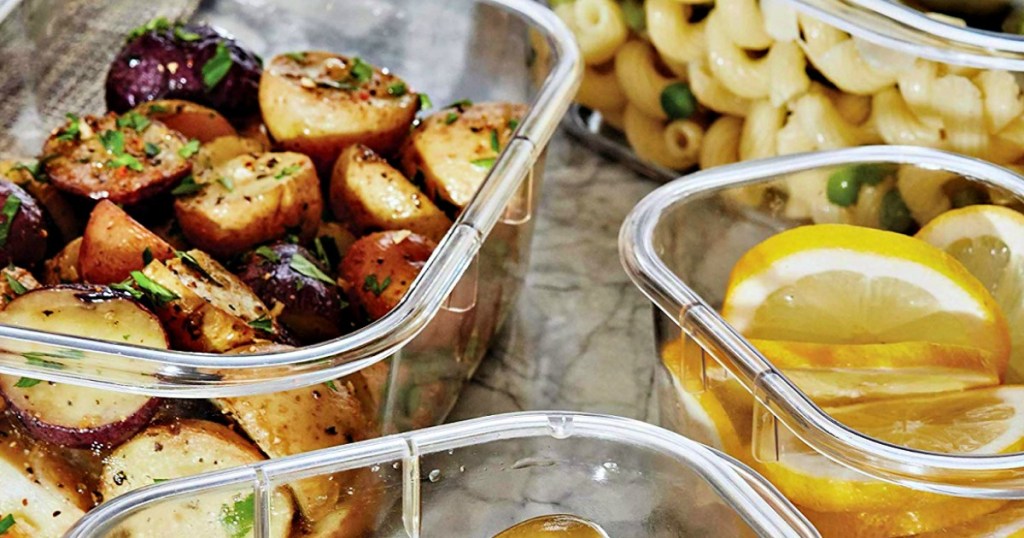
582,336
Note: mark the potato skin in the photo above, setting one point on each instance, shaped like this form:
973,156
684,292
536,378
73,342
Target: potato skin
7,291
63,267
65,217
190,119
27,236
372,195
271,195
81,165
380,267
115,244
304,113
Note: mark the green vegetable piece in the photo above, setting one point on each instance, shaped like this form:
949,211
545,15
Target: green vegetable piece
268,253
398,89
485,164
181,33
17,287
372,285
301,265
296,56
113,141
159,23
894,215
425,102
157,293
226,183
73,129
187,186
194,264
125,160
633,12
451,118
678,101
217,67
843,187
134,120
495,143
237,518
287,171
360,71
26,383
6,523
152,150
263,323
189,149
9,210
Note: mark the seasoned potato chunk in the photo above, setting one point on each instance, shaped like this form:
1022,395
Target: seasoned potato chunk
454,149
30,175
380,268
15,281
221,150
115,244
192,120
251,200
23,233
318,103
122,158
372,195
63,267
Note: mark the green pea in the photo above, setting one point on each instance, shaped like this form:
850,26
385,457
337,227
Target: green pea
678,101
968,195
894,215
633,12
873,174
843,187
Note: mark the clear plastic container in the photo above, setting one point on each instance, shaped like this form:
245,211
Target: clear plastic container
53,56
679,246
478,477
793,76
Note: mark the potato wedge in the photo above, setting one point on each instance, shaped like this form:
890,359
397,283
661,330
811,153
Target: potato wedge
373,196
67,218
318,103
221,150
63,267
380,267
186,448
115,244
192,120
15,281
23,233
252,200
454,149
212,310
108,157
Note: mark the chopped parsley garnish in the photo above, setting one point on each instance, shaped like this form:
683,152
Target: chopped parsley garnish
268,253
25,383
513,124
189,149
451,118
372,285
461,103
159,23
336,85
263,323
157,293
152,150
160,480
9,210
321,250
398,89
113,141
238,517
181,33
8,521
495,143
297,56
425,102
217,67
134,120
226,183
330,384
125,160
361,71
301,265
35,168
157,109
17,287
147,256
485,164
287,171
127,287
73,129
194,264
187,186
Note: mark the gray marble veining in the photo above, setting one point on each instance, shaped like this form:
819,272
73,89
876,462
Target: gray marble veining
582,335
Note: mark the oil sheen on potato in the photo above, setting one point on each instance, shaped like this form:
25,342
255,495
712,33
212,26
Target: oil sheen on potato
554,526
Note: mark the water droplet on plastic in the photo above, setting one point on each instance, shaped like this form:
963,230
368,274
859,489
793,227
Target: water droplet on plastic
375,469
434,475
462,468
395,465
451,451
561,427
611,466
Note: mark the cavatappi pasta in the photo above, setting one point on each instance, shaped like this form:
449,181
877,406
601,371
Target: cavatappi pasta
710,82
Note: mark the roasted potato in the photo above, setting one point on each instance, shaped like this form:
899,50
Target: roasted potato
63,267
15,281
116,157
380,267
311,305
221,150
454,149
334,240
208,309
115,244
251,200
23,234
369,193
66,218
192,120
318,103
186,448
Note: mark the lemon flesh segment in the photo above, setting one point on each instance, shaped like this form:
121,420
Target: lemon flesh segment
989,242
1005,523
842,374
891,524
839,284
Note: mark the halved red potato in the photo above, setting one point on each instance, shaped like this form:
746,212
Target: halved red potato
115,244
45,494
70,415
186,448
380,267
15,281
23,233
319,103
212,310
62,268
454,149
373,196
108,157
66,218
192,120
251,200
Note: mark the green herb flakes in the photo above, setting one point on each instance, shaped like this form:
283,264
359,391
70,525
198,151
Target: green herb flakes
330,384
181,33
17,287
451,118
26,383
268,253
287,171
398,89
8,521
296,56
9,210
217,67
134,120
425,102
113,141
73,129
301,265
360,71
226,183
263,323
125,160
157,293
484,164
495,143
187,186
372,285
237,518
152,150
189,149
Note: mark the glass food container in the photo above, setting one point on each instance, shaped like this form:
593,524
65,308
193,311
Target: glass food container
478,477
799,423
672,86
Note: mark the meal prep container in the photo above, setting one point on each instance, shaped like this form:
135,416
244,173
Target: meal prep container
679,246
53,57
887,35
478,477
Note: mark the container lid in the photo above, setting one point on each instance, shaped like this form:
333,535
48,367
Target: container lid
742,491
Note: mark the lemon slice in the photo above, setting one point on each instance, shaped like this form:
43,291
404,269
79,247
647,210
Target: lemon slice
839,284
989,241
981,421
1006,523
833,374
902,523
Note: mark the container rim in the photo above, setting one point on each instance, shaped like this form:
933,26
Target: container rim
905,29
756,501
176,370
995,476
